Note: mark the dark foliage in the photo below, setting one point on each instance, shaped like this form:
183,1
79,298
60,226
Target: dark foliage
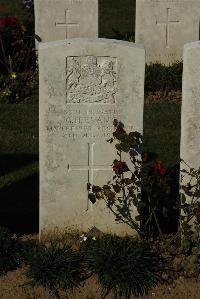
125,266
159,77
56,267
11,251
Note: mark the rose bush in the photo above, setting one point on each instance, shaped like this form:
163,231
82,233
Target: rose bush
18,70
149,188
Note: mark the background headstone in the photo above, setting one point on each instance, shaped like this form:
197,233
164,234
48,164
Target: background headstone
61,19
164,26
190,116
190,119
86,86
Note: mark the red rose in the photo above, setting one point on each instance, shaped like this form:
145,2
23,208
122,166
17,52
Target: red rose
197,213
12,20
120,131
3,22
159,167
119,167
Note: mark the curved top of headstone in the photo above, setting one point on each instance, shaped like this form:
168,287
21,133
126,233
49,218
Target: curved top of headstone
192,45
66,42
58,19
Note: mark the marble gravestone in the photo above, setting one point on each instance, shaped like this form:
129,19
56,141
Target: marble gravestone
61,19
84,85
164,26
190,116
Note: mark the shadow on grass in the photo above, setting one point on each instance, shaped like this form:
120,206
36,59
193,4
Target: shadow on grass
12,162
19,200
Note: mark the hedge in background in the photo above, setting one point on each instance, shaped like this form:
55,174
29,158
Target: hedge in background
159,77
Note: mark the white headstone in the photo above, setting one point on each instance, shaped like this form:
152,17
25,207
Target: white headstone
60,19
190,119
164,26
190,116
84,85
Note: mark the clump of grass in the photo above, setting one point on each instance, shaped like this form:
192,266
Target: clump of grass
56,267
125,266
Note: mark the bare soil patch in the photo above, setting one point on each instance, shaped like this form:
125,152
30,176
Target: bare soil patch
14,285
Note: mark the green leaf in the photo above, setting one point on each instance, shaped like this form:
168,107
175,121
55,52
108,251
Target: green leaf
110,140
96,189
124,147
92,197
116,188
137,218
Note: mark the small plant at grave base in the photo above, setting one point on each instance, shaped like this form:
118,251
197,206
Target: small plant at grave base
56,267
124,265
123,194
190,203
11,251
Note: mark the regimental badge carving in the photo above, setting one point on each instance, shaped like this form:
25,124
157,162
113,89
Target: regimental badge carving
91,79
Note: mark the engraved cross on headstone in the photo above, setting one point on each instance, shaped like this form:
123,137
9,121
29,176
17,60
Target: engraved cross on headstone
67,23
90,167
167,23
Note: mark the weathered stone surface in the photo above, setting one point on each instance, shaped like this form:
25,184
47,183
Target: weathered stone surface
190,116
164,26
61,19
190,124
84,85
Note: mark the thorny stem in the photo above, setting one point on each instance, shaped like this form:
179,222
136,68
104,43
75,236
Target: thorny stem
155,216
130,223
4,54
157,222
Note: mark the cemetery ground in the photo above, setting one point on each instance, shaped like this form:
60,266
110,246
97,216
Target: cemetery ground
19,189
15,284
19,177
